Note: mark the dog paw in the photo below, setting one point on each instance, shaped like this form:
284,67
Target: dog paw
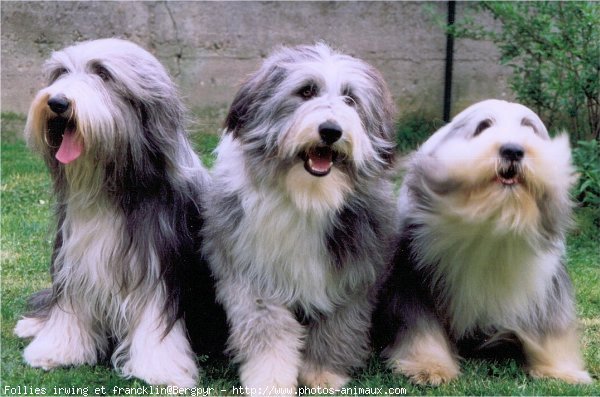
28,327
322,378
47,355
426,358
170,374
40,359
156,358
268,375
569,375
430,372
272,390
555,356
168,368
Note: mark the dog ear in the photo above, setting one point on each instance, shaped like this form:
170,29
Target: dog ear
384,109
246,105
241,108
532,120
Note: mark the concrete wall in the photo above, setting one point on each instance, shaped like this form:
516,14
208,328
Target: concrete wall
210,46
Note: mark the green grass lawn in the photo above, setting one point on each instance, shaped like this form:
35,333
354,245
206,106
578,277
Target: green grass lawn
26,234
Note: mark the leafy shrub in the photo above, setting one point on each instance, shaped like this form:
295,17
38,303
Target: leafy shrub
554,51
414,129
586,156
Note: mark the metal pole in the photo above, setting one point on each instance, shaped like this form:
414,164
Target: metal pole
449,61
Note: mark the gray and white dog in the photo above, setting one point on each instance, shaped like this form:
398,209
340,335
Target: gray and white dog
110,127
484,210
301,217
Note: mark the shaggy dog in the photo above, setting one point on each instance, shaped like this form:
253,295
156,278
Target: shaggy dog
109,126
301,218
484,208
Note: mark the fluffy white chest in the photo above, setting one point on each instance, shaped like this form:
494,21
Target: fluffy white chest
92,264
277,247
486,279
287,251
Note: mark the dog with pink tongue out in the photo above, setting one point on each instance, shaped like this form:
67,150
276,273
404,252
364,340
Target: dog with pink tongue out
128,187
71,146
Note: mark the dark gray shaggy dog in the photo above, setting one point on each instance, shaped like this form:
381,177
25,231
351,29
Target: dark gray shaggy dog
484,209
126,261
301,217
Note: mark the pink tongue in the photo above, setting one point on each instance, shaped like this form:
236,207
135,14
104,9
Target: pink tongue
320,163
70,148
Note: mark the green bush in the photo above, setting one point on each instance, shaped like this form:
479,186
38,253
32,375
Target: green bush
414,129
553,49
586,155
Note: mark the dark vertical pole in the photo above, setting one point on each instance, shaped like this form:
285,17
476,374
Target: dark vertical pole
449,61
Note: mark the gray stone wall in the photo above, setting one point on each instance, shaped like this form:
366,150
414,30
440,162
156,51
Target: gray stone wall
209,47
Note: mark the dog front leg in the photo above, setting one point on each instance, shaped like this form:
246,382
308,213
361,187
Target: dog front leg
555,355
157,358
407,330
61,339
336,344
422,352
416,344
266,339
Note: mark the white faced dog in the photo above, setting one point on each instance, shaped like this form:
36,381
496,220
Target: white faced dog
109,126
301,216
484,206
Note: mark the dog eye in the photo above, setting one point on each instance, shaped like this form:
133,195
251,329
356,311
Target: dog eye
350,98
528,123
56,74
102,72
485,124
308,92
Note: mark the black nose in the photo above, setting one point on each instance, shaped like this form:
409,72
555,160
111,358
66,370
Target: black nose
330,132
58,103
512,151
